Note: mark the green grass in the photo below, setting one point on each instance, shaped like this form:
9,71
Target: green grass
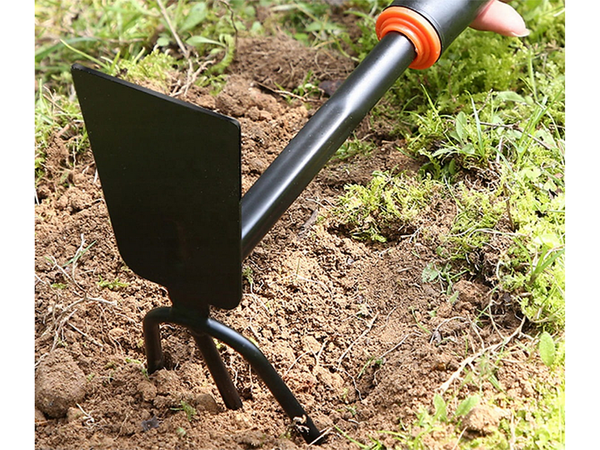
388,206
189,410
488,122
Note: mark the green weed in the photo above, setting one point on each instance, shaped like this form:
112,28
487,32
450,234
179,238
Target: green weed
547,349
78,254
124,32
488,120
157,68
248,275
490,114
387,207
143,369
376,445
310,22
354,147
56,115
132,39
105,31
189,410
112,285
308,87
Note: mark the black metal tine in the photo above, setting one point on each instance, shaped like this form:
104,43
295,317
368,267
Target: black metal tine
218,371
203,328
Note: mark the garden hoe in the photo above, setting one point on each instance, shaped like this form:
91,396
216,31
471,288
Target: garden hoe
170,174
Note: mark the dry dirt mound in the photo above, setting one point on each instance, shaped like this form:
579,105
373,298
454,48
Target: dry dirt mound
342,321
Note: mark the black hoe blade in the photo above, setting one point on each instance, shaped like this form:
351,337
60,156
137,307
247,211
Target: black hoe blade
170,173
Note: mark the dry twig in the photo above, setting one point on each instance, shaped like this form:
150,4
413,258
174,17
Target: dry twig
467,361
192,74
363,334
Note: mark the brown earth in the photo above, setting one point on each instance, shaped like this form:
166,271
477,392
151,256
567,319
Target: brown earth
344,322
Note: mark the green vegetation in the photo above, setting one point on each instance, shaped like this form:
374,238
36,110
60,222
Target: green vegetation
124,31
151,41
354,147
488,122
139,363
188,409
112,285
387,205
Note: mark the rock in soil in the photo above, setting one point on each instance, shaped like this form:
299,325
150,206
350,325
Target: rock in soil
59,384
483,419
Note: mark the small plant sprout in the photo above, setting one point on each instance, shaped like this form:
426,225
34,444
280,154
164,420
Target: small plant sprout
440,406
248,275
143,369
466,405
189,410
112,285
547,349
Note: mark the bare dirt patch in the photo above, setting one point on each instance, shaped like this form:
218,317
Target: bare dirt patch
349,325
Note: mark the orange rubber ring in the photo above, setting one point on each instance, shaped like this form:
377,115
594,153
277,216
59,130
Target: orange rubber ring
417,29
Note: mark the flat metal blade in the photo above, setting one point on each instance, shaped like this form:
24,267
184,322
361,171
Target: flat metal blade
171,177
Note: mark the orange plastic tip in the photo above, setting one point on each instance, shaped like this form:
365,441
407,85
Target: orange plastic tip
416,28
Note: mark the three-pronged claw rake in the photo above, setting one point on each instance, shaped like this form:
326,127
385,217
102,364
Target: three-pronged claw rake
170,173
